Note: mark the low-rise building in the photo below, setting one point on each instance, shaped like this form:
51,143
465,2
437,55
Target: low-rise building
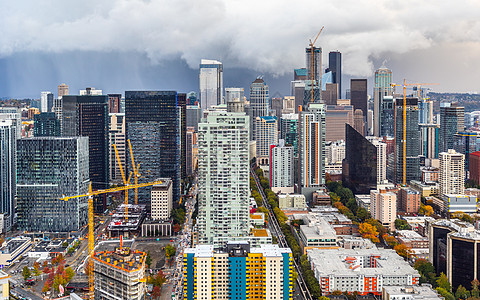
318,233
423,292
320,197
418,223
426,189
257,219
361,270
409,200
413,240
295,201
5,286
11,250
363,201
161,199
463,203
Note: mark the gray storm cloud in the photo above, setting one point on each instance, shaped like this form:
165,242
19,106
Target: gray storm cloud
266,36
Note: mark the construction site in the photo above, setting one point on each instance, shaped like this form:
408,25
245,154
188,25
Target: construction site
127,221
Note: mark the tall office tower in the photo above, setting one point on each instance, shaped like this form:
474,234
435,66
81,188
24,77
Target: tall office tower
117,138
252,273
162,200
429,140
387,117
383,207
469,120
288,105
359,168
358,95
409,200
46,124
316,65
259,103
307,95
194,114
336,117
114,100
236,105
311,149
330,94
49,167
369,122
381,158
426,111
451,122
46,102
233,93
267,135
8,152
300,74
474,167
153,126
182,110
452,173
281,168
413,141
88,116
277,106
359,121
223,177
90,91
382,88
298,91
62,90
211,83
12,113
335,66
192,98
466,142
289,131
118,274
190,141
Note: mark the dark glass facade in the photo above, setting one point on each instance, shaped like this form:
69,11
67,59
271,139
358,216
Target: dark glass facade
289,132
439,254
359,169
452,119
182,104
88,116
463,267
46,124
466,142
153,125
335,66
114,103
387,124
47,168
358,95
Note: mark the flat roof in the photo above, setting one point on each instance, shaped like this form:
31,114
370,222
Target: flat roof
124,259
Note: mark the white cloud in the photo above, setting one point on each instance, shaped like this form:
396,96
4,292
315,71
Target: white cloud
267,36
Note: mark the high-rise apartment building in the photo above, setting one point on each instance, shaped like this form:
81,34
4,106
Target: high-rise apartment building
46,101
62,90
117,138
358,95
281,168
336,116
429,140
47,168
211,83
452,173
266,135
8,152
238,272
359,170
382,88
223,177
289,131
259,102
409,200
314,67
288,105
12,113
383,207
311,149
412,141
88,116
162,200
114,103
46,124
153,126
451,122
335,66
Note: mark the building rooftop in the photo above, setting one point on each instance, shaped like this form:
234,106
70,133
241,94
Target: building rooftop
423,292
351,262
410,235
123,258
12,245
268,119
259,232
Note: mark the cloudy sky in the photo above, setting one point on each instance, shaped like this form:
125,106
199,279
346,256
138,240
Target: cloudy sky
118,45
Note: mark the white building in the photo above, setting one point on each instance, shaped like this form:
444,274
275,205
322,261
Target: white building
423,292
266,136
383,207
161,199
281,168
334,152
8,152
90,91
210,83
11,113
452,173
381,158
223,177
311,149
46,101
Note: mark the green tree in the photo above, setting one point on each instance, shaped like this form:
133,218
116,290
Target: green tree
26,273
475,291
148,259
363,214
69,273
170,251
443,283
446,294
401,224
462,293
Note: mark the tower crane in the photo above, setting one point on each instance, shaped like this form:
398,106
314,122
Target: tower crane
404,118
312,44
90,194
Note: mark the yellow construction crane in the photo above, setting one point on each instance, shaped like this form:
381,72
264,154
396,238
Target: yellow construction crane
125,182
312,46
404,138
135,171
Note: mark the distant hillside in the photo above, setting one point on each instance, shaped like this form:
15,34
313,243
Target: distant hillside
471,102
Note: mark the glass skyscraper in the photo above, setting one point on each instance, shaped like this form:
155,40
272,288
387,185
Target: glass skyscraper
211,83
387,115
382,88
153,126
8,146
289,131
49,167
46,124
451,122
259,102
335,66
